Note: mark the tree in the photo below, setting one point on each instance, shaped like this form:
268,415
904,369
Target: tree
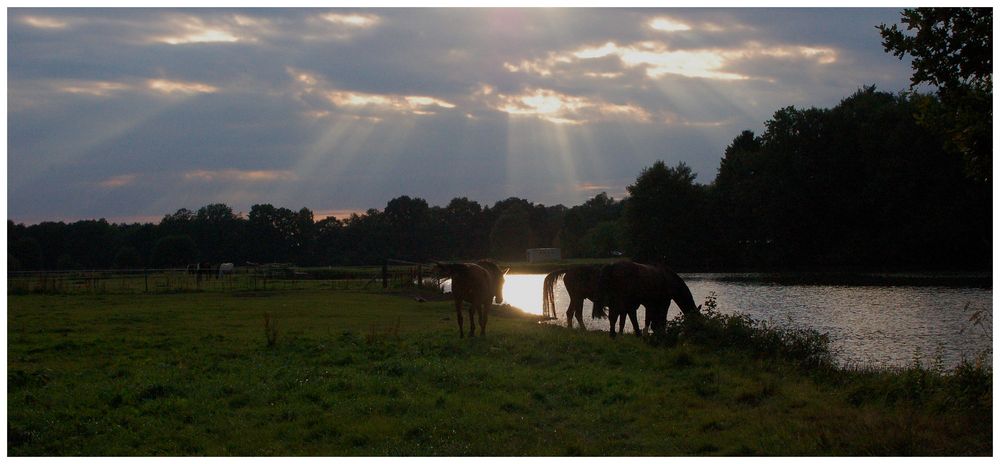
464,225
408,222
28,253
952,50
127,258
173,251
664,215
512,234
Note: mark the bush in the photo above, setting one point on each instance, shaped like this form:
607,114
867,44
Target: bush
808,347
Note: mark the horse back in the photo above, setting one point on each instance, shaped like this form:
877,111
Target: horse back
471,282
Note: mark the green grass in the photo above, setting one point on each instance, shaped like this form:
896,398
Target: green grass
380,374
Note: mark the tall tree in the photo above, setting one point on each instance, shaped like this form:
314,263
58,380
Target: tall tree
664,215
952,49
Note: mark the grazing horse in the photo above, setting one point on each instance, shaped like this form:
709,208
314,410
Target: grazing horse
582,282
627,285
476,285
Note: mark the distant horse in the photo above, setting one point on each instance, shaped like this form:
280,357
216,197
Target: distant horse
225,269
627,285
202,270
582,282
478,286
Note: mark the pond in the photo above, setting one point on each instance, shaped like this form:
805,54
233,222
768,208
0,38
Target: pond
878,325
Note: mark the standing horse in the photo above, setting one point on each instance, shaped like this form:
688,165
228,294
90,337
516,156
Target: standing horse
496,277
582,283
627,285
474,284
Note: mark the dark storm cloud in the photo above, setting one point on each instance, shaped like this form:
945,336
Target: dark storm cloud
138,112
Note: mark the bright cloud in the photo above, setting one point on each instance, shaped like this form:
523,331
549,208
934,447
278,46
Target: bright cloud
667,24
313,90
91,88
352,20
175,87
44,22
230,175
560,108
194,30
658,59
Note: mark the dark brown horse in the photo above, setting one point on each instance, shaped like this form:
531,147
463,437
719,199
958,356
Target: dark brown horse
477,285
582,283
626,285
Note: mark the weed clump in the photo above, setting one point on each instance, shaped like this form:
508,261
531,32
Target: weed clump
270,330
807,347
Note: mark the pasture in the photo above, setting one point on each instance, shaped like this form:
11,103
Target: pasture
380,374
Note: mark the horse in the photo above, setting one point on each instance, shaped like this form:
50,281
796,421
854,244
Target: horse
627,284
202,270
497,277
225,269
477,285
582,282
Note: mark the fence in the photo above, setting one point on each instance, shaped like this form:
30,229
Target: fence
249,278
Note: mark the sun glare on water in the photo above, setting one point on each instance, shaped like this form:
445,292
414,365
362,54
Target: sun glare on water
524,291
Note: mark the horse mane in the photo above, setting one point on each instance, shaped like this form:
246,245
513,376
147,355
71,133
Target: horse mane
451,269
490,266
548,292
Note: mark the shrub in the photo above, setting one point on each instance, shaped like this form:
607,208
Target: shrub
739,331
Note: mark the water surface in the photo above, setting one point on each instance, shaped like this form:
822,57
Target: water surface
880,325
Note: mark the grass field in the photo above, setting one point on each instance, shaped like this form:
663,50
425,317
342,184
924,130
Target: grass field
353,373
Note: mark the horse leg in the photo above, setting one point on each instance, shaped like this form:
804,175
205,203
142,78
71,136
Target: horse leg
623,312
575,309
633,318
484,312
649,318
612,316
660,323
458,312
472,319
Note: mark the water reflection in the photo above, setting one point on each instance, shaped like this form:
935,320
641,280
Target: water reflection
866,324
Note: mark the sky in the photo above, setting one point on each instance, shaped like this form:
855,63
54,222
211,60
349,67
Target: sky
132,114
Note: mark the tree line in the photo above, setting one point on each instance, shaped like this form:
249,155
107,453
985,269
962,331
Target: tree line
858,185
880,181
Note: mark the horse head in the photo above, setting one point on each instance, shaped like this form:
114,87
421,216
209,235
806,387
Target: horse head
498,282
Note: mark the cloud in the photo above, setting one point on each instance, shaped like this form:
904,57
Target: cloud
236,175
119,181
668,24
44,22
346,108
323,100
560,108
351,20
179,87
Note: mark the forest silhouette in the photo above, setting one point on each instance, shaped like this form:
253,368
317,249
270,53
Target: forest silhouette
881,181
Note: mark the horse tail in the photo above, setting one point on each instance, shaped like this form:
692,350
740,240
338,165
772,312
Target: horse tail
548,293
